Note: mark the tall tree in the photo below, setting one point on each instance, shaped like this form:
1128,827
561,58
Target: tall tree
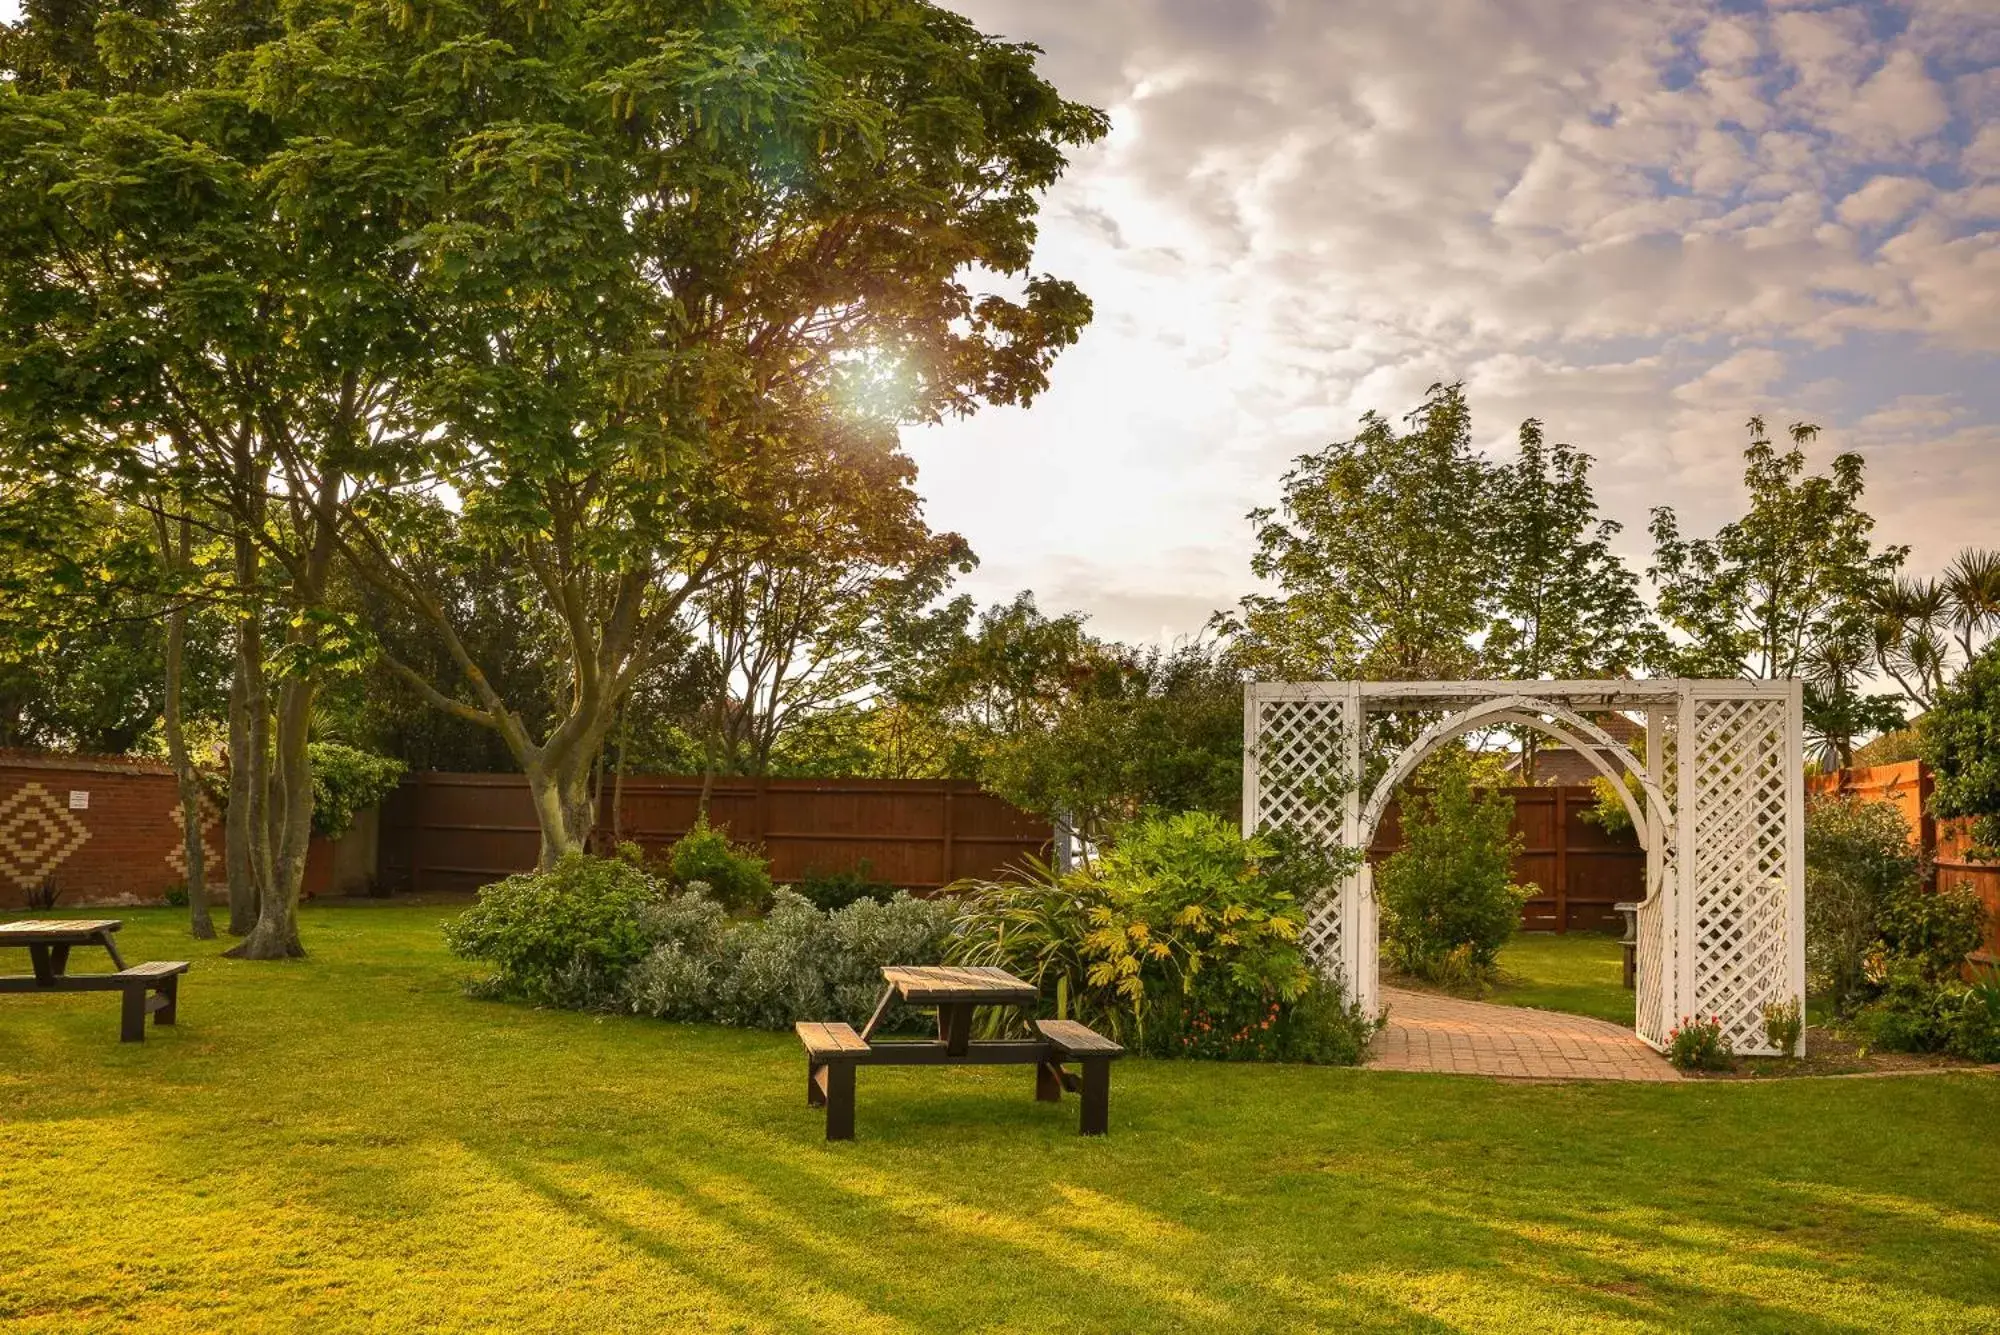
803,626
1382,552
1797,572
1146,729
1009,671
1565,604
657,244
165,296
174,530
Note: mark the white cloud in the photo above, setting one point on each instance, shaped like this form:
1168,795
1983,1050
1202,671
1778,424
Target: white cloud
1981,157
1884,200
1627,218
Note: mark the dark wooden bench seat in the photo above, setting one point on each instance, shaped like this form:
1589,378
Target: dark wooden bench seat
832,1050
1077,1040
1070,1041
152,988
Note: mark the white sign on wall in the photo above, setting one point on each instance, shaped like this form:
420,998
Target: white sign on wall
79,800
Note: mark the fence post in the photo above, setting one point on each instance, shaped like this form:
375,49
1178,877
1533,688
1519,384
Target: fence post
1927,829
419,819
1562,862
945,872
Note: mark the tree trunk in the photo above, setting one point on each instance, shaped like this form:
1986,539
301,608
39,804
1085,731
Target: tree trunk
190,783
579,808
290,808
618,777
245,855
565,806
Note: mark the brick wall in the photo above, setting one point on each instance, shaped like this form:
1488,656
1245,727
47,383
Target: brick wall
106,830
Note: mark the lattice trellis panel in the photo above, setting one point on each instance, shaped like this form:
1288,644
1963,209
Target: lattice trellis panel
1298,744
1741,800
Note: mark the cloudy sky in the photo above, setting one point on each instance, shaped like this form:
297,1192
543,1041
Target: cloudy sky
1640,221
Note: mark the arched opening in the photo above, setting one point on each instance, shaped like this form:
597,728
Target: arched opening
1651,823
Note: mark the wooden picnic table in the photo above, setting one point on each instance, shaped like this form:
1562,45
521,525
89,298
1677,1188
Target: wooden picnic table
956,991
49,943
152,987
834,1050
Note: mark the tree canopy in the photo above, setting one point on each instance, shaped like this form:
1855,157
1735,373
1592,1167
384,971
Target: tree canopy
572,301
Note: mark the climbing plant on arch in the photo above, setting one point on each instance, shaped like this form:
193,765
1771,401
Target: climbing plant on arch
1719,811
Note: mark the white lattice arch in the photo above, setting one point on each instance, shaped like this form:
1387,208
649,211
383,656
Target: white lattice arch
1721,928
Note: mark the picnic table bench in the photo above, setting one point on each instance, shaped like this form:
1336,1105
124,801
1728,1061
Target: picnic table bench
150,988
835,1050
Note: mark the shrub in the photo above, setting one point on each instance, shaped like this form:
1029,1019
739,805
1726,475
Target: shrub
773,973
1320,1026
1975,1029
1784,1021
1696,1045
347,780
565,936
43,894
1961,740
1034,928
1186,895
692,920
868,934
1450,887
738,878
176,895
1933,931
838,889
1910,1013
1184,941
798,963
1859,861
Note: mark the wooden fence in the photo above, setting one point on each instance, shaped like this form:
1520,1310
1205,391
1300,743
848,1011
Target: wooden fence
1945,843
459,831
1580,869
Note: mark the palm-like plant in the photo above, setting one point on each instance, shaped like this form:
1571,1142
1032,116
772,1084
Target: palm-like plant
1836,710
1907,623
1034,928
1972,593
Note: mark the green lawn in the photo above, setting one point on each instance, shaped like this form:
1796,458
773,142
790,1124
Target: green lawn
1577,972
347,1143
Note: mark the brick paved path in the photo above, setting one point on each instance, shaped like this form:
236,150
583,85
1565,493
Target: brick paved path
1433,1033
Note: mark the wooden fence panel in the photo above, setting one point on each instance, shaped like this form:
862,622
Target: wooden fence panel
1579,869
460,831
1946,844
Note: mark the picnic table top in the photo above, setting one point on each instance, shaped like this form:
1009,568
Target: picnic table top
56,932
979,985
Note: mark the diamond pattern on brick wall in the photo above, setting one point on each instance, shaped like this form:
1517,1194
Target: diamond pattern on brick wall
37,834
1741,944
211,839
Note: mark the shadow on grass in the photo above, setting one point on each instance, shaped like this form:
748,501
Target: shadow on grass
350,1126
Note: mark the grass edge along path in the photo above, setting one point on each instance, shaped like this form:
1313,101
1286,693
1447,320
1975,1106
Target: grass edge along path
348,1143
